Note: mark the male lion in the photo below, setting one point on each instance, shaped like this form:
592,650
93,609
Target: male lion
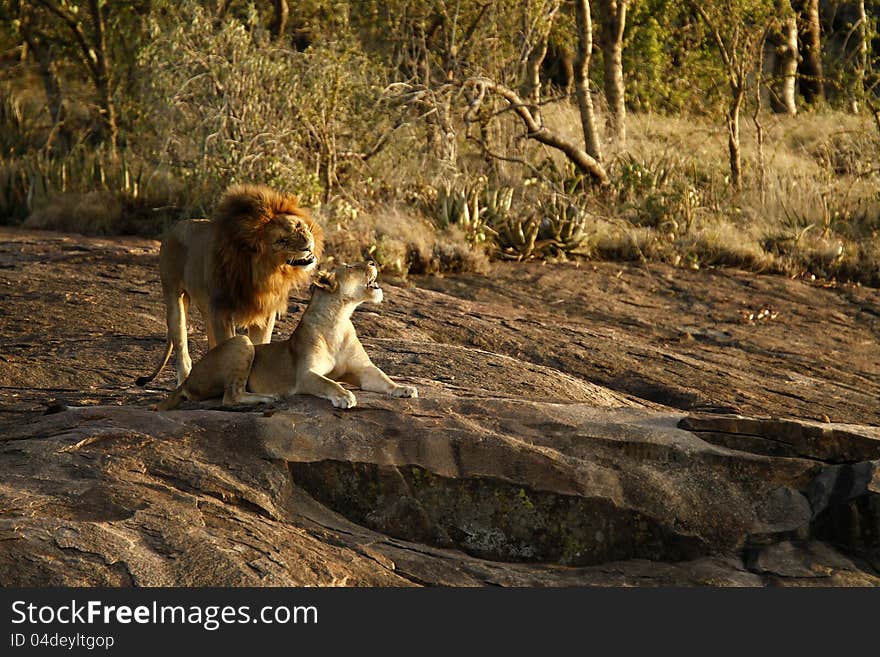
238,267
322,350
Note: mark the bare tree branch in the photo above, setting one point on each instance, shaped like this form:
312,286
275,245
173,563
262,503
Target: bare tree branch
586,163
484,147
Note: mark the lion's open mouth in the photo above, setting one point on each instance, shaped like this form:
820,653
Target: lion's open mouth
301,262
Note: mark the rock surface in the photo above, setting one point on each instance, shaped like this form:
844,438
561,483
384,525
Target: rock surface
513,467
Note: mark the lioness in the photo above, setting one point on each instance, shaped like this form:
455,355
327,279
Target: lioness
238,267
322,350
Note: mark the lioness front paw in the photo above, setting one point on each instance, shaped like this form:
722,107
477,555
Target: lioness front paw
404,391
344,400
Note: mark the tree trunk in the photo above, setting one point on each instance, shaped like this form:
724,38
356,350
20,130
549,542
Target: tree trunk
101,77
733,143
531,88
51,84
858,91
93,51
59,137
582,78
279,19
810,68
614,14
785,62
558,66
863,37
539,36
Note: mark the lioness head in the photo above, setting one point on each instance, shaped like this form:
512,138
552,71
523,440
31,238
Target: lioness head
351,283
291,241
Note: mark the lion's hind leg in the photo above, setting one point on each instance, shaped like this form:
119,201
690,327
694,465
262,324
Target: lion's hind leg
223,372
176,306
237,395
173,400
236,362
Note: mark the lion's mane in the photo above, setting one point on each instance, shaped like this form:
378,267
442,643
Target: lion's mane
250,287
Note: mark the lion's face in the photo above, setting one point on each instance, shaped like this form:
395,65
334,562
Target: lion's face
353,283
290,240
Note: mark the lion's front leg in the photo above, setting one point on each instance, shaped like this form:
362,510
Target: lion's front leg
320,386
262,334
372,379
220,328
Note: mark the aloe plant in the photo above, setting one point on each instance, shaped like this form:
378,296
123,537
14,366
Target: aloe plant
462,207
516,237
563,226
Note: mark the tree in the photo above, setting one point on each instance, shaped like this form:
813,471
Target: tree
40,46
85,27
861,27
584,161
738,30
448,53
278,25
612,28
810,67
584,22
558,64
784,40
536,39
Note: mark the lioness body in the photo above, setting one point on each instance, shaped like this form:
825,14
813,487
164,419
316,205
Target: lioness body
323,350
238,268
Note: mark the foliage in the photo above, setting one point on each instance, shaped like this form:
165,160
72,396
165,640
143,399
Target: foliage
475,208
563,226
549,226
226,106
666,56
356,109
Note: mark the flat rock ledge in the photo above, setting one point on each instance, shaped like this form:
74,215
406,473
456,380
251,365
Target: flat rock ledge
457,488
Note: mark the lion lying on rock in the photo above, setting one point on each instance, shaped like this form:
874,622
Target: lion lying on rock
323,350
238,268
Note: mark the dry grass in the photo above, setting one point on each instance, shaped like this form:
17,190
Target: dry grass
92,213
402,243
102,213
817,212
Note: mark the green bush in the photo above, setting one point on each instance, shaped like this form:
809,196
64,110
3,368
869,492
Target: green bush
225,105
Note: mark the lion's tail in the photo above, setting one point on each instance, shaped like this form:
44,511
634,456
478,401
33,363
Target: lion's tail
144,380
173,400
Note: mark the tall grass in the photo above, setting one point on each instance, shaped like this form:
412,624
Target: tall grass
89,192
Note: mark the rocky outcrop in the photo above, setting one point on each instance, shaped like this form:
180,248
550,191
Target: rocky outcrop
457,487
603,425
